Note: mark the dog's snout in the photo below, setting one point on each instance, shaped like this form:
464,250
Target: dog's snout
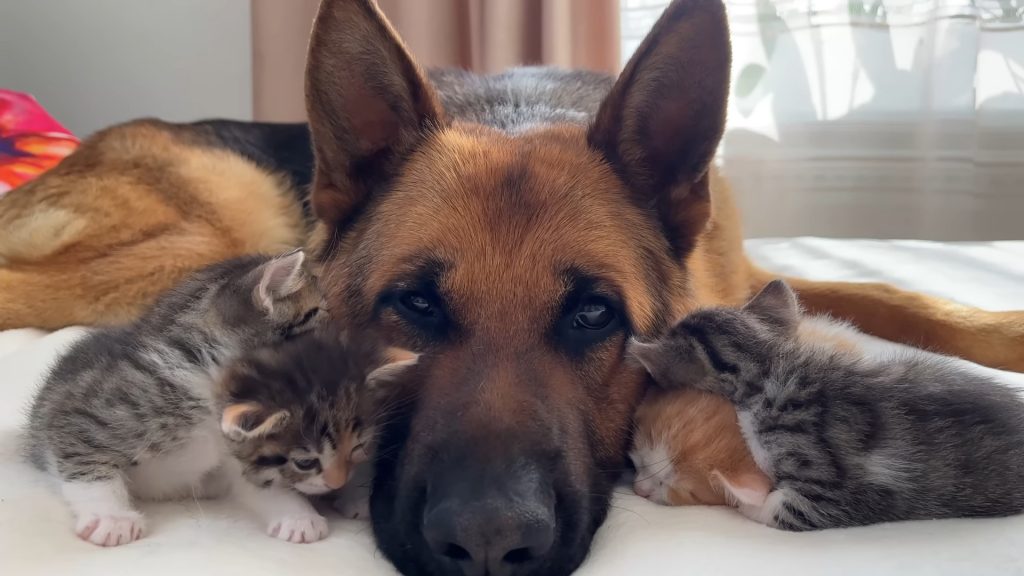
498,539
498,529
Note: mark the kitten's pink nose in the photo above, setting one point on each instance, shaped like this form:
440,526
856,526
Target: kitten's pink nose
642,490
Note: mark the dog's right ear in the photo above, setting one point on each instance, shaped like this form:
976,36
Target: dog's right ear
661,122
368,105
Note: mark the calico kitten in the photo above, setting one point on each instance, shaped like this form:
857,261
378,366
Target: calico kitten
128,411
303,414
686,442
848,438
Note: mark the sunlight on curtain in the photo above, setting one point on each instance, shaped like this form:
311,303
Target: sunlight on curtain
873,118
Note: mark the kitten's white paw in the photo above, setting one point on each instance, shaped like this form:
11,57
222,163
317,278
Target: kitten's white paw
765,513
299,529
755,513
353,508
110,529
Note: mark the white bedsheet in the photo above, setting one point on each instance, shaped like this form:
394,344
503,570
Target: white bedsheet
639,538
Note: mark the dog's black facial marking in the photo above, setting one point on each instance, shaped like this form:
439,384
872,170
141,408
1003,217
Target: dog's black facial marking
590,314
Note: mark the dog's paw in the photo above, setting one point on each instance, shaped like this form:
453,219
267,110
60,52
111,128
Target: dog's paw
299,529
110,529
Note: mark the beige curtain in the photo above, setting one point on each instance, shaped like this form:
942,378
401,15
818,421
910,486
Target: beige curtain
479,35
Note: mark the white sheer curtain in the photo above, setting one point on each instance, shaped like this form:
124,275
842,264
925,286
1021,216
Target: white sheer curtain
873,118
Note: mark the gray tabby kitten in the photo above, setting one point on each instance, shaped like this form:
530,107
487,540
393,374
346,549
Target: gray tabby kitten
847,438
129,411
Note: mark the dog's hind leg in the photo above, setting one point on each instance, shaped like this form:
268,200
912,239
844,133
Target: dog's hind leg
994,339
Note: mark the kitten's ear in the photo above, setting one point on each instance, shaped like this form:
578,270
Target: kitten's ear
670,366
750,488
650,355
396,362
247,420
776,304
280,278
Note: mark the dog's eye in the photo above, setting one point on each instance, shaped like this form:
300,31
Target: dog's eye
423,310
593,314
306,464
417,303
587,320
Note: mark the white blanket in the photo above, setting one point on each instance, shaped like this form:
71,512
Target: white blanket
639,538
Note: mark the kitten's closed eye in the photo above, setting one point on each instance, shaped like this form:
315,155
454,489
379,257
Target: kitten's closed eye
271,461
306,464
359,454
301,325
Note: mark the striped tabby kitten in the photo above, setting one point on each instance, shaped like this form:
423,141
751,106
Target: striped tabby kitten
129,411
848,438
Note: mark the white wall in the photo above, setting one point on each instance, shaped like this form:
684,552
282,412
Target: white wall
92,63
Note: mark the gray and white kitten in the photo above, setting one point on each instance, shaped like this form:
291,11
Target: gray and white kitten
129,411
847,438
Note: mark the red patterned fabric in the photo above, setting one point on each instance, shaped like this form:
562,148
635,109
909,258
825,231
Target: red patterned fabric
31,141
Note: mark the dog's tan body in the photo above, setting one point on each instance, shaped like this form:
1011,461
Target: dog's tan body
125,217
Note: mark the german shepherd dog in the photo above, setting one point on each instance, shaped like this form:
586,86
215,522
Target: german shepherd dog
516,228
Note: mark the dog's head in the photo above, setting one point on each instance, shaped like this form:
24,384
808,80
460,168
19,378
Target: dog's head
519,264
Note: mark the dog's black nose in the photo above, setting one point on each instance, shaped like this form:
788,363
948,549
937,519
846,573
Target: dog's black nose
499,528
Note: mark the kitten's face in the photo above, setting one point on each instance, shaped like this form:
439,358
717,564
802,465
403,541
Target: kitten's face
725,344
300,414
313,452
681,439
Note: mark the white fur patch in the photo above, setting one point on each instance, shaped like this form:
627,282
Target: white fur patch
766,513
655,474
182,471
103,512
749,430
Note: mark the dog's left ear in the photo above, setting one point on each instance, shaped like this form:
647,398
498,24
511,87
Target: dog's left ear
368,105
661,123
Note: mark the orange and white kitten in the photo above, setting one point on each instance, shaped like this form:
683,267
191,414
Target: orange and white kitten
686,444
689,448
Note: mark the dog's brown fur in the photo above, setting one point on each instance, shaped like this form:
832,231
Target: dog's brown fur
125,217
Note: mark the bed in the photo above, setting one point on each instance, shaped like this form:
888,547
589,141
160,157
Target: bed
210,537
